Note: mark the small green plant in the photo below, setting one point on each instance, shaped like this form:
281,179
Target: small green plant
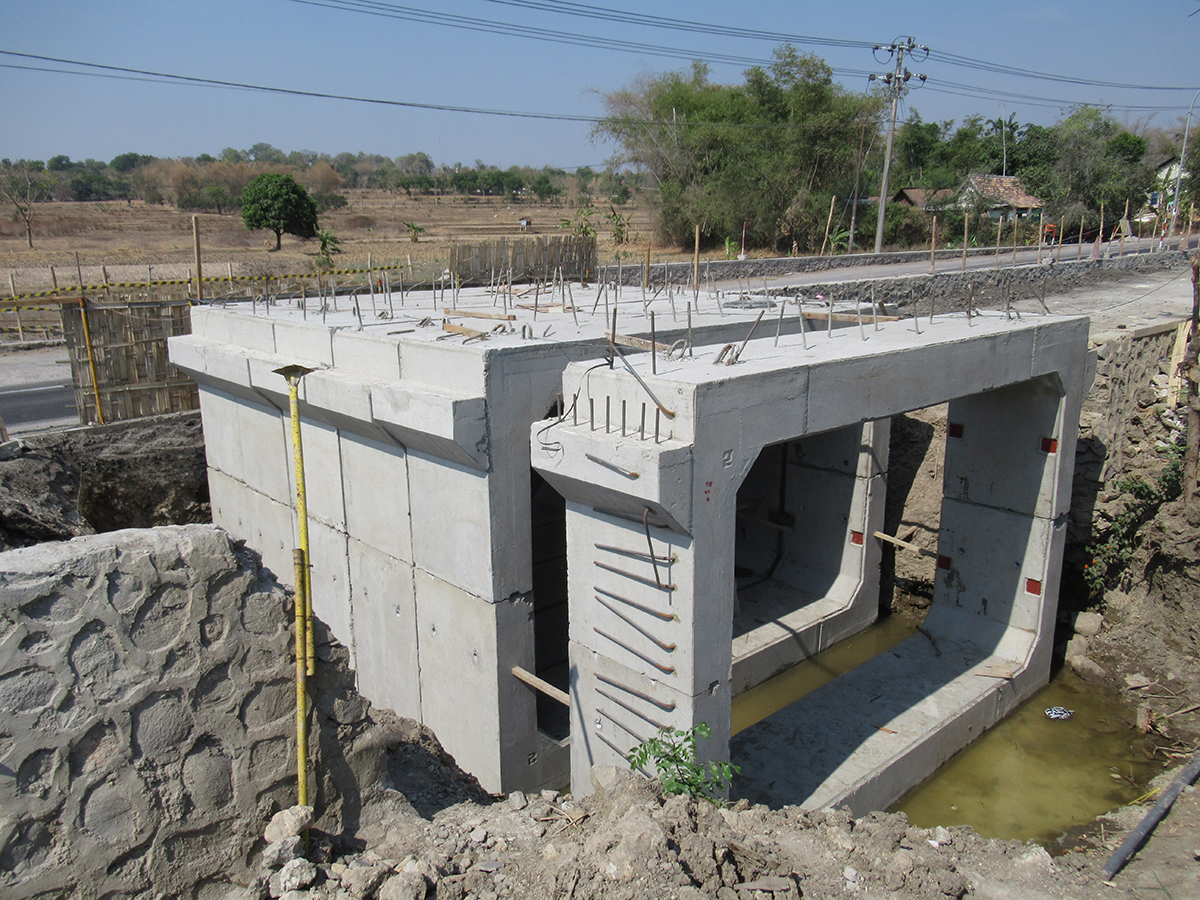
1110,556
414,231
330,244
731,248
581,225
673,752
619,224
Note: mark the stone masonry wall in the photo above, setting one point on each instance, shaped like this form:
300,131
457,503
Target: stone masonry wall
948,285
146,713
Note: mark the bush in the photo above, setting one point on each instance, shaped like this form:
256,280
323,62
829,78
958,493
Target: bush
326,201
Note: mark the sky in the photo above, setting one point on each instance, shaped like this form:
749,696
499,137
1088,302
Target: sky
484,55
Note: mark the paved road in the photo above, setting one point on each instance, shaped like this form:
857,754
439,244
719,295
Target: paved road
35,390
37,404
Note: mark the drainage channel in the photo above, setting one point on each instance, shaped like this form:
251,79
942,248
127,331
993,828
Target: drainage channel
787,687
1032,778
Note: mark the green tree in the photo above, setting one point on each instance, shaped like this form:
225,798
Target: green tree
1097,162
277,203
769,152
24,184
127,162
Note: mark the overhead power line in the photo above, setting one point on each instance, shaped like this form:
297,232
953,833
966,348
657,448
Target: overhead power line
128,73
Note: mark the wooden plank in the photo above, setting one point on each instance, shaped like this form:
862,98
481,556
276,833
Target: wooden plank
1174,373
463,329
905,544
638,343
479,314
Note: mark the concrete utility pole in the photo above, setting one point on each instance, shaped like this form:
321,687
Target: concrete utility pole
896,85
1187,125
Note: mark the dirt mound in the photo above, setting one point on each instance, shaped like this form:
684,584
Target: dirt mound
135,474
629,841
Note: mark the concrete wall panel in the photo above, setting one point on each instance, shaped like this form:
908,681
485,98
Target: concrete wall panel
469,697
451,523
329,569
1002,447
249,442
367,355
262,522
994,563
375,485
385,629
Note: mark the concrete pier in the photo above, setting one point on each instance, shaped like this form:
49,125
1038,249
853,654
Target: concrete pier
653,535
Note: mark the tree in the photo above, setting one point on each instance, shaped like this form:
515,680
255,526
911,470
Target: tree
277,203
24,185
769,152
127,162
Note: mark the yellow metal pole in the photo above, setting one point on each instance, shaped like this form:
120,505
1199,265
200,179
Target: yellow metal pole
301,566
293,374
87,340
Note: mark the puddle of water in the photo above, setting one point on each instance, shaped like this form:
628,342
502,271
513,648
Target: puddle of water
1031,777
774,694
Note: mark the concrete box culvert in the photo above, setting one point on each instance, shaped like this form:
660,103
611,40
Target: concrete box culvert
400,429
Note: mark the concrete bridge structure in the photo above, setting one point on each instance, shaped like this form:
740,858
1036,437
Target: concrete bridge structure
652,535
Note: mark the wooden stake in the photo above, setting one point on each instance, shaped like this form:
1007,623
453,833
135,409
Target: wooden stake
933,247
966,235
199,275
999,232
12,287
646,271
1041,234
1016,231
1080,256
828,225
696,263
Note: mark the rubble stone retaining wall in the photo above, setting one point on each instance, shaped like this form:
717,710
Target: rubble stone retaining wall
146,713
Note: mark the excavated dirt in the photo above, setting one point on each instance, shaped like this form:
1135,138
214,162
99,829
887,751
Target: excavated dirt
138,474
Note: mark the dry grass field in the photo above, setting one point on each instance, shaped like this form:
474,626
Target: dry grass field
126,238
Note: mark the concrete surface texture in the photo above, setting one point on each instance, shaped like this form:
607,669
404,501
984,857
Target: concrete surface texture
421,492
145,712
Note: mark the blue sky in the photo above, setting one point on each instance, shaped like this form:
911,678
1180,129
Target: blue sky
325,46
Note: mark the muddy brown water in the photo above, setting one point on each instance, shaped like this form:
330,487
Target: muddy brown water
1029,778
1032,778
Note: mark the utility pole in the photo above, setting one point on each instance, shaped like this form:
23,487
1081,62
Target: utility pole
1187,125
896,85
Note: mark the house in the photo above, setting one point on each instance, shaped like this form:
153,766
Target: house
1003,196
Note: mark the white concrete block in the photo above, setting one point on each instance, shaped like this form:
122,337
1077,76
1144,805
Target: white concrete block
454,427
249,442
463,643
375,487
236,329
304,343
451,523
266,525
372,356
385,629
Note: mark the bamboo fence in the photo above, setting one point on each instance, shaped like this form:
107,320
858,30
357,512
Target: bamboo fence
128,344
533,258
